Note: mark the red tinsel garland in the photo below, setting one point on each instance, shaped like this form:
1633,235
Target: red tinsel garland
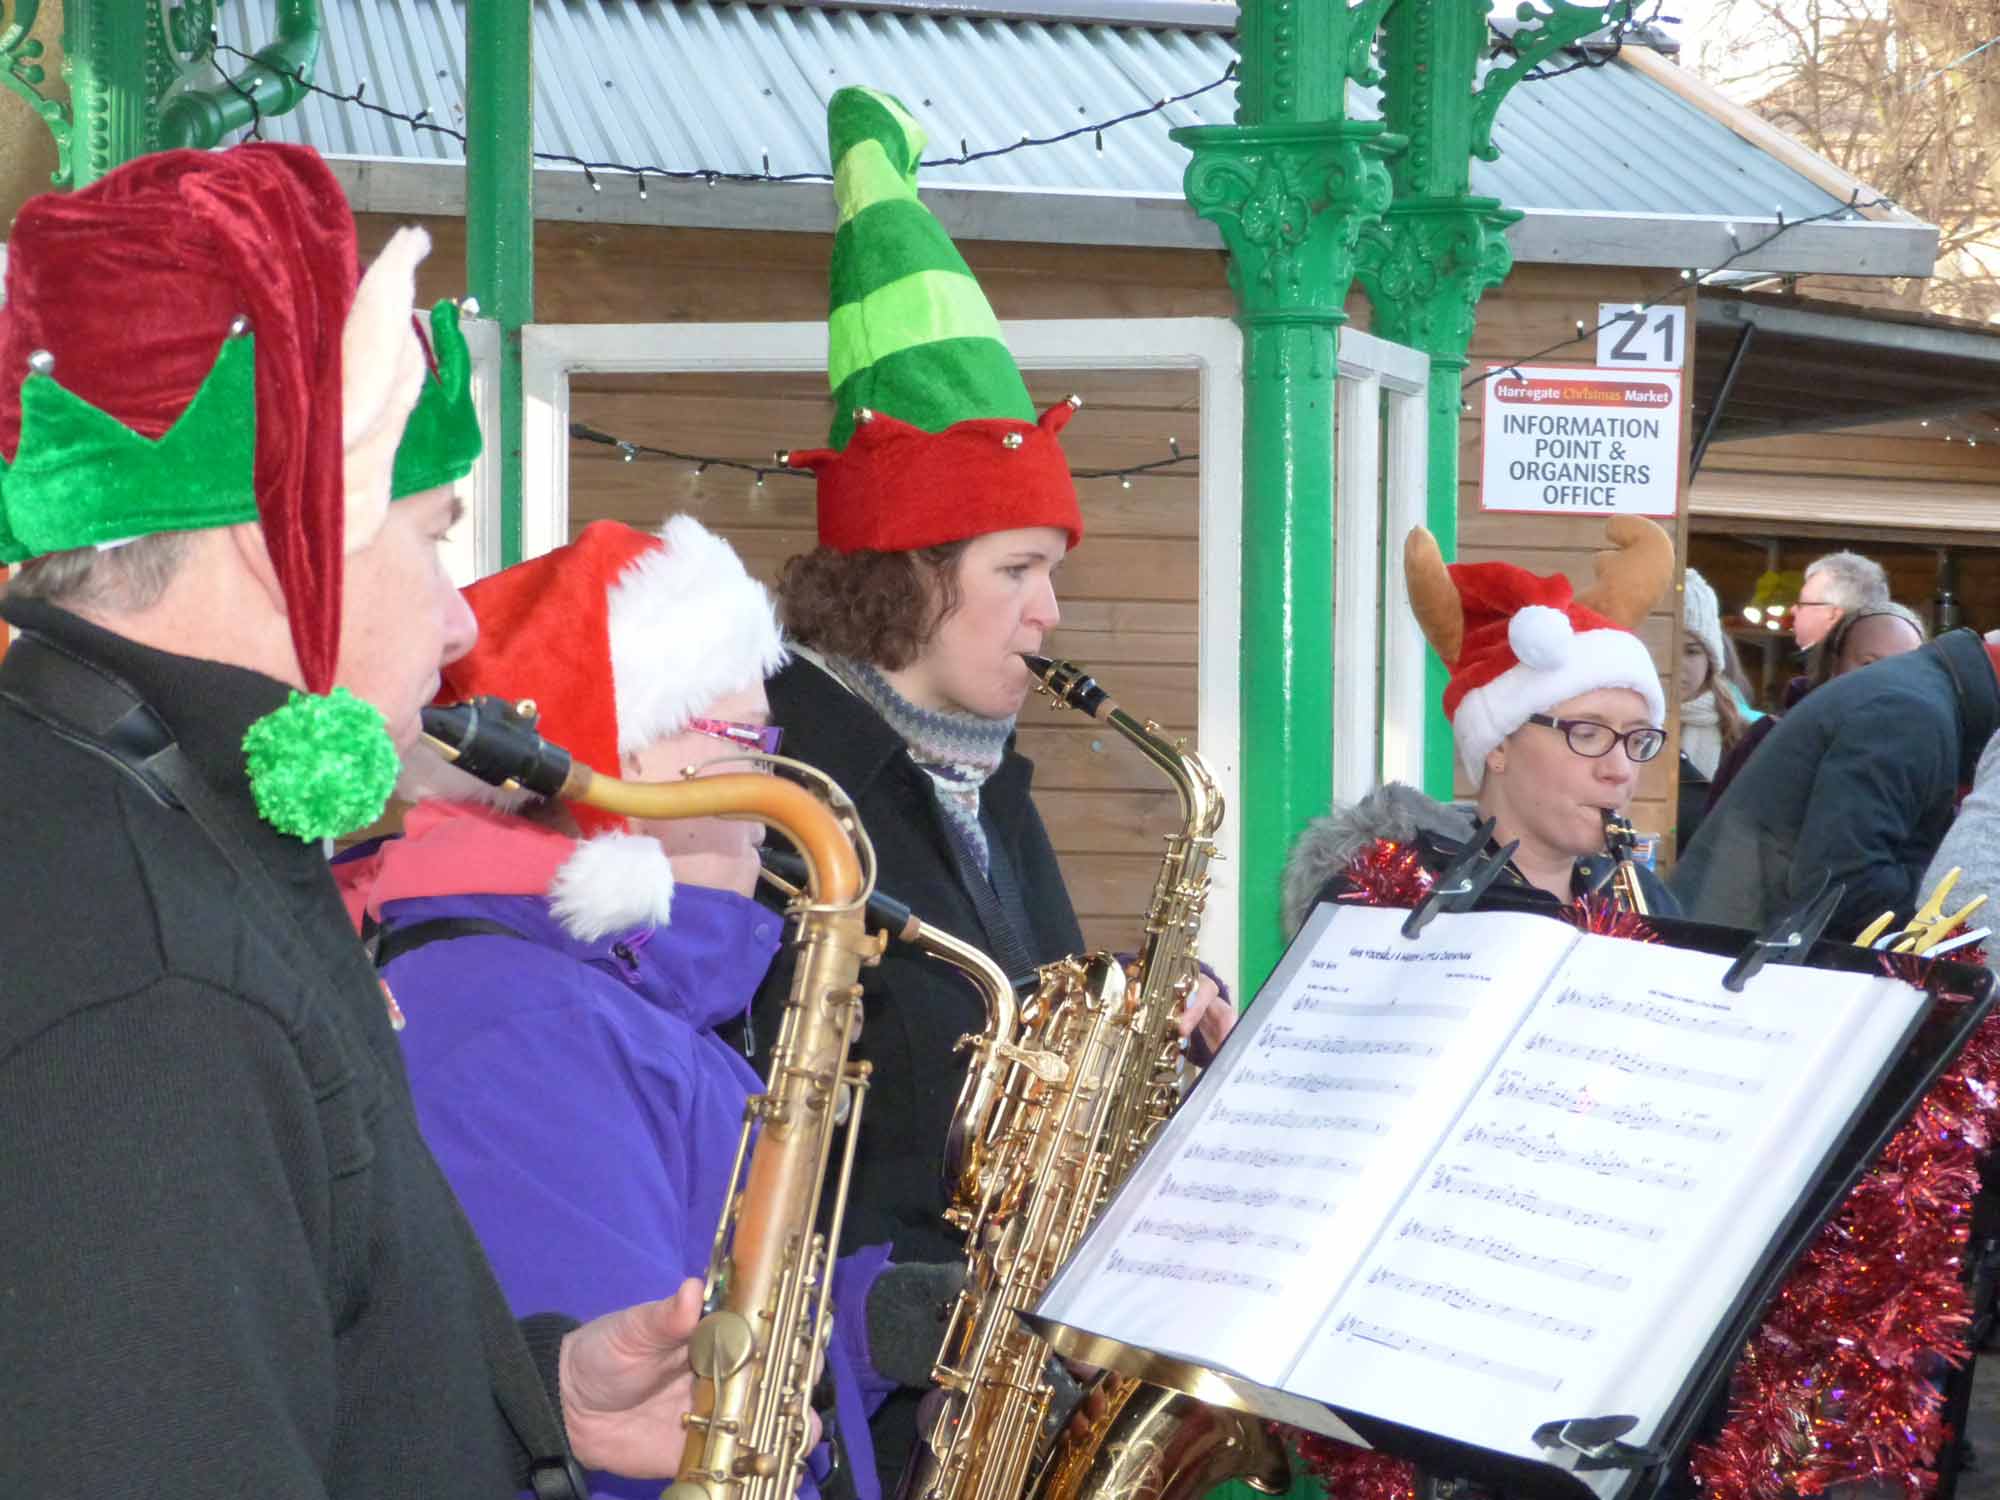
1841,1381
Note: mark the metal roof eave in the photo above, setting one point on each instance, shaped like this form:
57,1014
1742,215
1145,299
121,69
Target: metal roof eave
391,185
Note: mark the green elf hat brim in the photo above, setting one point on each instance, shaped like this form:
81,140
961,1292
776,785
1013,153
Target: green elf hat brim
82,478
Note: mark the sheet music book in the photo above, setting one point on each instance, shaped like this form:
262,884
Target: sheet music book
1503,1174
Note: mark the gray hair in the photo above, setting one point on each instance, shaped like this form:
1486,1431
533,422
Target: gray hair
120,580
1851,579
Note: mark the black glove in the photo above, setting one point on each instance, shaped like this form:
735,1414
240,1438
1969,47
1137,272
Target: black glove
907,1309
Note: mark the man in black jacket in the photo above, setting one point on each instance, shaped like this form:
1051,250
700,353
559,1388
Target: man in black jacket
1858,783
230,1265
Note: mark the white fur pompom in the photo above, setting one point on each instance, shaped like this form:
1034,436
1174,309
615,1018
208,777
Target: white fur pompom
614,881
1541,637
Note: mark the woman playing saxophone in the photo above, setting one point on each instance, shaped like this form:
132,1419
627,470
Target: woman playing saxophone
565,967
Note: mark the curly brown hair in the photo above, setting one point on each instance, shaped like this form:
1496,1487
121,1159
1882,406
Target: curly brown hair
878,607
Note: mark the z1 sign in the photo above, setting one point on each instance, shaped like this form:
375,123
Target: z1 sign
1632,337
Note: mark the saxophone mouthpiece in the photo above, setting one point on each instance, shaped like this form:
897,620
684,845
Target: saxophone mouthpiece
496,741
1069,685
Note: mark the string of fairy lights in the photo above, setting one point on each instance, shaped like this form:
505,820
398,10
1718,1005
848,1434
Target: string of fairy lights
701,463
1598,52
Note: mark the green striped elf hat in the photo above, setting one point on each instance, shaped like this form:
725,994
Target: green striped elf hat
934,438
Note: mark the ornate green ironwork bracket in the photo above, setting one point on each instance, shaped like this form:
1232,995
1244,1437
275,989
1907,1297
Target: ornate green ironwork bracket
274,83
25,75
1542,34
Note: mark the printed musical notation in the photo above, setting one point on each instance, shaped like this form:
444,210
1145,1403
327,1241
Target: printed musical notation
1548,1151
1463,1184
1169,1270
1666,1015
1393,1338
1322,1005
1320,1083
1291,1119
1238,1236
1489,1248
1459,1299
1243,1197
1514,1084
1648,1067
1286,1039
1271,1161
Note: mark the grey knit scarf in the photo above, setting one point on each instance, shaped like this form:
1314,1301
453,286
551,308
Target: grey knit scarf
958,751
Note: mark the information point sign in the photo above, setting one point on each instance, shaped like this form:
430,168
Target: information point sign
1561,440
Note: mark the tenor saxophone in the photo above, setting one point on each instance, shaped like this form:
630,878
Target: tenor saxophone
767,1311
1048,1123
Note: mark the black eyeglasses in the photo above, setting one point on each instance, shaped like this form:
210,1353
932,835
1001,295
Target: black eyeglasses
1593,740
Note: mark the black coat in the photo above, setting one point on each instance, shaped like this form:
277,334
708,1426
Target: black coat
1858,782
230,1265
915,1008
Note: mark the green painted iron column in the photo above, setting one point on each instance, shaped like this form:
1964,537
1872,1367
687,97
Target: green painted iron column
108,58
500,215
1439,249
1290,186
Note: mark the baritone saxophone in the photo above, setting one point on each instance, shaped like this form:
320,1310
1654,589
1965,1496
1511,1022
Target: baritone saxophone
1049,1122
767,1303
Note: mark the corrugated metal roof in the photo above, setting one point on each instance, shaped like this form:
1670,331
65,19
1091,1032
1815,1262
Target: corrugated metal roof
730,86
694,84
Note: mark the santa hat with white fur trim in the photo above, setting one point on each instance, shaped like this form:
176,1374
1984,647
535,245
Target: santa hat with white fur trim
619,638
1519,644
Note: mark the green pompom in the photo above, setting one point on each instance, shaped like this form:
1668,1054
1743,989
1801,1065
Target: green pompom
321,767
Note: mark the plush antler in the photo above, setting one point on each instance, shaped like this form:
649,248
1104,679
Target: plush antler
1433,596
1634,575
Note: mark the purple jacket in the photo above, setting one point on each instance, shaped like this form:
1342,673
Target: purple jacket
582,1106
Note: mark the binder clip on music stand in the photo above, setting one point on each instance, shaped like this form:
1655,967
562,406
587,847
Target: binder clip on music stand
1464,880
1593,1443
1788,939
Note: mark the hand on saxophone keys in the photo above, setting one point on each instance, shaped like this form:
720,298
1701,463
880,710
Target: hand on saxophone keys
626,1383
1206,1019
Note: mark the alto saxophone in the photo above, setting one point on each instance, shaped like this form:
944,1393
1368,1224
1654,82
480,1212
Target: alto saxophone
1049,1121
756,1353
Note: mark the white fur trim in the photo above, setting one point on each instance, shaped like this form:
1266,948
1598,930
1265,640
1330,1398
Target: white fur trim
381,376
687,625
613,882
1596,659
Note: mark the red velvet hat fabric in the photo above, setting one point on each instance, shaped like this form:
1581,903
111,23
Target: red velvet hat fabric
895,487
545,634
1492,593
132,284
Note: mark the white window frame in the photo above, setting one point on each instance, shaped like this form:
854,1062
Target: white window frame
1381,468
551,353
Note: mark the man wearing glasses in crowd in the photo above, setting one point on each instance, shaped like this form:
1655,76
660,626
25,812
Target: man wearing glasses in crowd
1833,586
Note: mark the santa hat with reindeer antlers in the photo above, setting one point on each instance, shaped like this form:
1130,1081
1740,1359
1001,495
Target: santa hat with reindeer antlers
1519,644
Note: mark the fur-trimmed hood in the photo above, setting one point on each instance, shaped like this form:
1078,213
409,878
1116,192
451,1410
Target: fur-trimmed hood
1393,811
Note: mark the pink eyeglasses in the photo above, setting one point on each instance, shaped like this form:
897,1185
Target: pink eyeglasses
764,737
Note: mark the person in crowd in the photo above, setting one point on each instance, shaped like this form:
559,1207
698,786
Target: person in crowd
1834,586
1870,633
560,953
1972,847
1715,712
1857,784
1554,705
945,507
231,1266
